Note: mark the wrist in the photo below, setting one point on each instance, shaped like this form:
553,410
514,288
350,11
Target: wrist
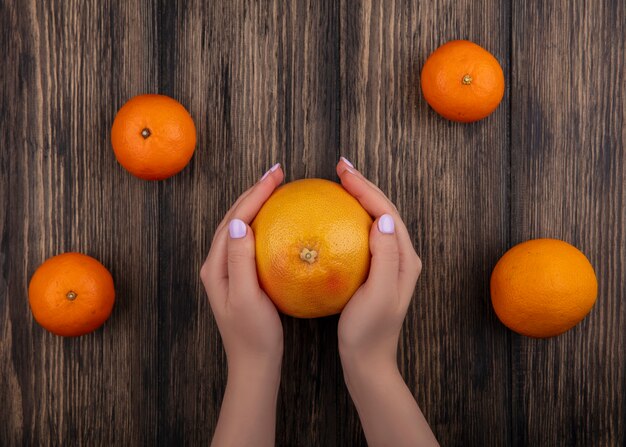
387,409
255,370
366,368
248,412
370,382
381,356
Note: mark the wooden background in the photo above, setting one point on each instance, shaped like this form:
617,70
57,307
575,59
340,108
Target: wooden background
302,83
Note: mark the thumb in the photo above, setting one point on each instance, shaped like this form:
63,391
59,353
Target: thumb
242,276
385,263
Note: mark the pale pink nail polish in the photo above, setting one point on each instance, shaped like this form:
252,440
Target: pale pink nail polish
237,228
346,161
269,171
385,224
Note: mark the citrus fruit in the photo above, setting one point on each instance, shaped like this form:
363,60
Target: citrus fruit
153,136
312,247
462,81
543,287
71,294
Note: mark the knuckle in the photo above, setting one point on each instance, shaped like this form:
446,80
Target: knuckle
205,271
417,265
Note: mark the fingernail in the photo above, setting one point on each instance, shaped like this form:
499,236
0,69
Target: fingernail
237,229
346,161
269,171
385,224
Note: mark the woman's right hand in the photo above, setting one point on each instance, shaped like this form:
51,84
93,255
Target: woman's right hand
248,323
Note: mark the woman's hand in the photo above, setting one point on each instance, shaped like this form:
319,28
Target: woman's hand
370,324
248,323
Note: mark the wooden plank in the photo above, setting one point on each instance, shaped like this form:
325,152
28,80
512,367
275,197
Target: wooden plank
568,170
261,82
300,83
69,66
449,182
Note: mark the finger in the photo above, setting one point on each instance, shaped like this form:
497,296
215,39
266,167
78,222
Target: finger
344,165
215,264
228,214
252,203
214,272
376,203
407,279
242,277
260,191
385,263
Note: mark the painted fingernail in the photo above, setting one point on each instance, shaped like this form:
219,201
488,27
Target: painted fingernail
385,224
346,161
269,171
237,229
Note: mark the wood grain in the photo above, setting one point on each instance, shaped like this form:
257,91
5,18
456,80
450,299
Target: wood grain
301,83
449,182
262,86
568,167
65,192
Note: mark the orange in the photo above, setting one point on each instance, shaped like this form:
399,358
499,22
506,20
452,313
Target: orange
543,287
153,136
462,81
71,294
312,247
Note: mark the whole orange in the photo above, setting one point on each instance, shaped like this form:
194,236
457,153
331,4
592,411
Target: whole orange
312,247
462,81
153,136
543,287
71,294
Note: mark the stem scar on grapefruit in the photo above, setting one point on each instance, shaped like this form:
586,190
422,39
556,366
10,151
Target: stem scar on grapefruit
312,247
153,136
71,294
